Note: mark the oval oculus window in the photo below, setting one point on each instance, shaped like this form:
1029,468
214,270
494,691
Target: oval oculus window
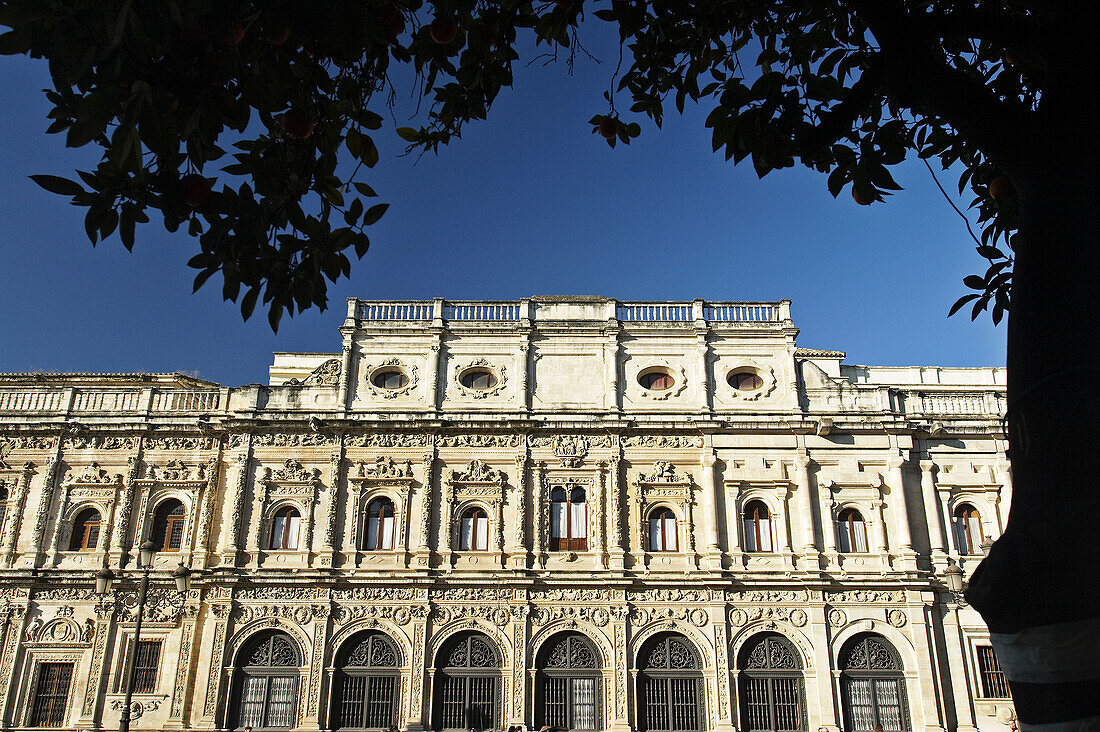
478,379
746,381
657,380
389,379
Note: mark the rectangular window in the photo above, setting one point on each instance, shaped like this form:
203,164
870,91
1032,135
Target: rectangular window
173,534
994,683
51,694
146,663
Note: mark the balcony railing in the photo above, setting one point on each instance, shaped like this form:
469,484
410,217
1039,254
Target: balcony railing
628,312
86,401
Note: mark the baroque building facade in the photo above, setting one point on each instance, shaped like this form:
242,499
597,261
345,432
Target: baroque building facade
566,512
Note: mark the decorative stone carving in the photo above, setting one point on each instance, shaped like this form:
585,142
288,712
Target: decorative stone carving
896,618
300,614
176,471
293,439
95,475
137,708
478,471
738,617
474,440
182,442
293,472
327,374
544,615
663,472
867,596
100,442
30,442
387,439
384,467
501,373
768,596
837,618
662,441
412,378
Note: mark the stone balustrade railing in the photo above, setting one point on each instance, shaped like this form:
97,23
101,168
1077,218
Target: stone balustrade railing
115,401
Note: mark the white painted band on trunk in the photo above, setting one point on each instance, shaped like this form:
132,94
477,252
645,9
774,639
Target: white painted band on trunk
1091,724
1051,654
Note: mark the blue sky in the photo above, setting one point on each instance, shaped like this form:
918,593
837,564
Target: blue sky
528,202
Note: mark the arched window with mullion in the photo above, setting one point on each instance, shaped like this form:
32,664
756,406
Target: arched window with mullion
467,684
267,679
851,531
568,684
757,523
381,525
773,696
473,530
872,685
568,520
670,686
285,527
85,534
367,683
968,529
169,522
662,530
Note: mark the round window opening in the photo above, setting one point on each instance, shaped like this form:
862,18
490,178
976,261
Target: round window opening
390,379
478,379
656,380
745,380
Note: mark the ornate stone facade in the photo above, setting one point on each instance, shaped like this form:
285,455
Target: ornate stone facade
658,483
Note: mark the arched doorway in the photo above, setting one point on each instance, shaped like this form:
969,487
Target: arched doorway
567,685
366,684
467,684
266,680
670,686
772,689
872,685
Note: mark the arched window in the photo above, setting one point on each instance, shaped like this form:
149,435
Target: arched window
285,527
662,530
85,531
758,527
169,520
851,531
772,689
567,685
670,686
968,529
474,530
467,684
380,525
568,520
871,685
267,683
367,680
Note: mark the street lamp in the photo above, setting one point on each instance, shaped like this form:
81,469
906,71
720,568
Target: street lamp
103,578
953,578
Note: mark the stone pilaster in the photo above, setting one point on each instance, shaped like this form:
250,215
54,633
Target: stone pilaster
15,513
42,514
937,535
895,464
203,550
712,553
122,543
615,518
519,556
234,541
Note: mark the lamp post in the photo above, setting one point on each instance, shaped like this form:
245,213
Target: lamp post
103,579
953,578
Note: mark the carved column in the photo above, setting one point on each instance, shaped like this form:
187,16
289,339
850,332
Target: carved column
712,553
217,672
537,505
611,361
344,391
12,621
957,664
521,368
805,511
896,466
433,375
599,529
203,549
828,522
424,549
498,506
515,712
91,712
328,541
15,512
314,691
42,514
256,518
701,350
1003,471
615,515
310,519
937,536
880,529
620,708
233,540
519,551
785,526
183,689
122,543
62,506
415,718
722,670
445,540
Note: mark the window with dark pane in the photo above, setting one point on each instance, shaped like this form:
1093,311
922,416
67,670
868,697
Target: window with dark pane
662,530
567,684
85,534
51,694
968,529
467,684
657,380
367,683
994,682
758,527
773,697
380,525
285,527
473,530
266,685
872,685
670,686
169,521
568,519
146,663
851,531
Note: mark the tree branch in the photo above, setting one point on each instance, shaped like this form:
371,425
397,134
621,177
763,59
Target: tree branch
919,78
1008,31
842,117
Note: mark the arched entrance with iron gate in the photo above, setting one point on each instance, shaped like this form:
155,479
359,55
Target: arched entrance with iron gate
466,693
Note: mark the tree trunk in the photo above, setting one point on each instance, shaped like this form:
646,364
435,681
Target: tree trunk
1039,588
